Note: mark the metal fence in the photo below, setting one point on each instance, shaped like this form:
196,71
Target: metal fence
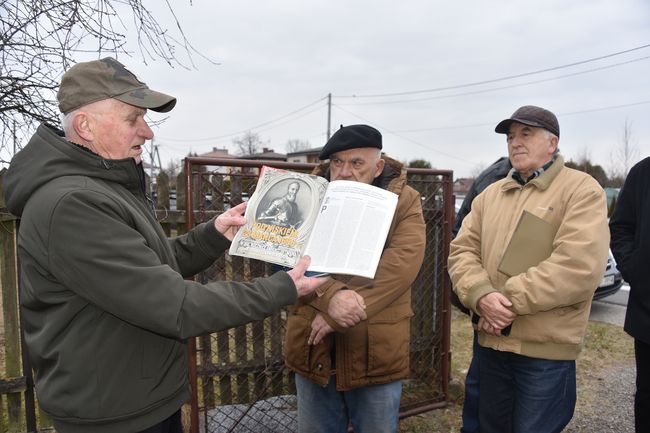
240,383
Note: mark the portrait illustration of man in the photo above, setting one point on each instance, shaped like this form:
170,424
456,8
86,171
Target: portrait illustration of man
284,210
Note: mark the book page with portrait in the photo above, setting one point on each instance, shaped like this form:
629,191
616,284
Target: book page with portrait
342,225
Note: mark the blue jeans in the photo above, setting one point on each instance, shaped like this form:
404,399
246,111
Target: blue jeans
518,394
371,409
470,405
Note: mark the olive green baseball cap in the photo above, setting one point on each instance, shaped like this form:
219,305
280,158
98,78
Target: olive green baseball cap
106,78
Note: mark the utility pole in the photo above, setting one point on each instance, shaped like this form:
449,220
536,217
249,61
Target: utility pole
329,114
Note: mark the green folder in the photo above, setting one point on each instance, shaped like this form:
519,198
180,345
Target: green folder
531,243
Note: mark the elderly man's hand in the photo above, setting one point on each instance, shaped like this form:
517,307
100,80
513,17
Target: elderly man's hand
305,285
319,330
229,222
347,308
484,326
494,309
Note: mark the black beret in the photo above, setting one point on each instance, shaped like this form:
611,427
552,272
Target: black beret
351,137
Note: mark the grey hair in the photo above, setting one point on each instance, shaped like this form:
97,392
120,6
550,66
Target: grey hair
550,135
66,121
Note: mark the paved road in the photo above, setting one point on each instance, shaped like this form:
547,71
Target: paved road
611,309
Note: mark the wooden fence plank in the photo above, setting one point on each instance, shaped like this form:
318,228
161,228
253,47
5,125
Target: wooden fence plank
9,282
259,338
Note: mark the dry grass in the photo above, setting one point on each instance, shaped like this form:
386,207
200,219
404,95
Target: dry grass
606,347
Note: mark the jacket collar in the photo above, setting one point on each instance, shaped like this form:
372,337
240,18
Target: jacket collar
542,182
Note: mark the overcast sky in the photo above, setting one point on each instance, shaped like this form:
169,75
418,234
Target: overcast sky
282,57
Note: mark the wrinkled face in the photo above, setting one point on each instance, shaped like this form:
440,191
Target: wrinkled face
363,164
292,191
119,129
529,148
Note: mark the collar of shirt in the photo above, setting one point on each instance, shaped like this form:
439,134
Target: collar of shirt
537,173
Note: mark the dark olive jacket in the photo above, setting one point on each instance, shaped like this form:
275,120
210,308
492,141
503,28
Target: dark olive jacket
376,350
630,244
104,299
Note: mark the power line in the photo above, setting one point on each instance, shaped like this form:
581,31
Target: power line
482,125
429,148
494,89
510,77
398,133
233,134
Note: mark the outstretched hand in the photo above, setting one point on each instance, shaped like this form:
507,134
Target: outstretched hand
305,285
229,222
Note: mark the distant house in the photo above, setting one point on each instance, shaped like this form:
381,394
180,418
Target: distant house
308,155
462,185
266,154
217,153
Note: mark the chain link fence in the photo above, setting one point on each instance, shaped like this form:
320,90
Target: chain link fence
240,383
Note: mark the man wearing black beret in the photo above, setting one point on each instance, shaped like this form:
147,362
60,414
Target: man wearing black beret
350,371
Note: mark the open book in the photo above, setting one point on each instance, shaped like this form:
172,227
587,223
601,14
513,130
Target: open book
342,225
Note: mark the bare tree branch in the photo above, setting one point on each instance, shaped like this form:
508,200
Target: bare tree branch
40,39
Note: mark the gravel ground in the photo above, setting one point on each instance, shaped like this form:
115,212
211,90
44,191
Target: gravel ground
611,409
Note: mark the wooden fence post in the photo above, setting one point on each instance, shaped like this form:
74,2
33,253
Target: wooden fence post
9,283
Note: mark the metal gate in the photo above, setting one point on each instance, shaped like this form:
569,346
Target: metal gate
239,381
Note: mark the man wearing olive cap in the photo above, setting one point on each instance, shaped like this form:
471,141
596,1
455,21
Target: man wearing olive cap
104,299
349,345
526,261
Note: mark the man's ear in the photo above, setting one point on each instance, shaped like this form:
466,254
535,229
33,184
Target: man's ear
554,143
380,167
82,124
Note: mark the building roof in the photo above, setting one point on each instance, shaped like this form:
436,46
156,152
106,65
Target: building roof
312,151
217,153
463,184
266,153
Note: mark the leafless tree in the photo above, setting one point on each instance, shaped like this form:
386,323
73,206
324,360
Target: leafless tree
296,145
39,39
478,169
625,155
248,144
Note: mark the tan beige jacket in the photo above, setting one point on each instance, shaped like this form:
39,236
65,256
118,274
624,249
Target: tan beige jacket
376,350
553,299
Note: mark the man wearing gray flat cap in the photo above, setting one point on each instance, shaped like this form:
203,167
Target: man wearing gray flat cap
104,299
526,262
349,346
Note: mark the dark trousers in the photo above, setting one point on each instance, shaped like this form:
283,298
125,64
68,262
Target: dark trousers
470,405
518,394
642,397
170,425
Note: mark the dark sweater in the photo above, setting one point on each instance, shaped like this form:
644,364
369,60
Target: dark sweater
630,243
105,305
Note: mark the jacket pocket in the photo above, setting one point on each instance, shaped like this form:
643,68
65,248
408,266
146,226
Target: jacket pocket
298,353
389,337
296,349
